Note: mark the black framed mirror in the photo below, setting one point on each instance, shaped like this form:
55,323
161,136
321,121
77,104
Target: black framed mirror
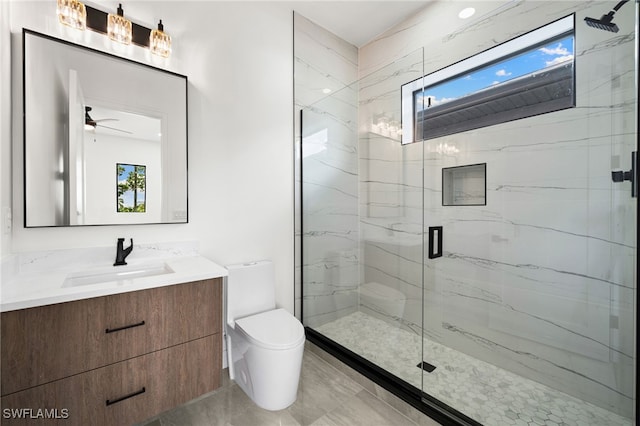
85,111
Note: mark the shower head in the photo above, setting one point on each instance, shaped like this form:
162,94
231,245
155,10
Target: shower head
605,23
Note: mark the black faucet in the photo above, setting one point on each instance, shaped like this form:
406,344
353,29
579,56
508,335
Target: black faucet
122,252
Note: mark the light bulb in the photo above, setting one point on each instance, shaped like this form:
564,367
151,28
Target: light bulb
160,42
72,13
119,28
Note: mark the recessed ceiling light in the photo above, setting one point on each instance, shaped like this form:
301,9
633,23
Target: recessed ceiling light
466,13
325,91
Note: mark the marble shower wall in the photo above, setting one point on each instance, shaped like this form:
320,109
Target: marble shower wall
328,236
539,281
390,199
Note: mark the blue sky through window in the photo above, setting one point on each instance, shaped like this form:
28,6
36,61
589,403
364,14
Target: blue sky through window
127,196
553,53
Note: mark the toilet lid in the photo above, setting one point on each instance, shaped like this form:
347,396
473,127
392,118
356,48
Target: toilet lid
276,329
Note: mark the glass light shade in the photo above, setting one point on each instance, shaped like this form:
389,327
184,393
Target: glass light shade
119,28
72,13
160,42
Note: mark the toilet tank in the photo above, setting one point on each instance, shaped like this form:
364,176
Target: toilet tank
250,289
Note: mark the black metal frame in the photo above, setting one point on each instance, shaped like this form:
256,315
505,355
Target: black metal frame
637,394
25,32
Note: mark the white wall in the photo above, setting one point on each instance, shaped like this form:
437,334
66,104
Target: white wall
238,58
5,126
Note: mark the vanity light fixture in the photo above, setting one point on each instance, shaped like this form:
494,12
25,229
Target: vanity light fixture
116,26
119,28
72,13
160,42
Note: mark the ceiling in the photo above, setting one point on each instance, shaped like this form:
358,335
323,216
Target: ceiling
358,22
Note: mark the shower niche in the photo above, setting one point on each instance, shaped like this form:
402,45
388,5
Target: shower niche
464,185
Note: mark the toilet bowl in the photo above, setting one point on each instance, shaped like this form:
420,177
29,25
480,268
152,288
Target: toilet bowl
264,344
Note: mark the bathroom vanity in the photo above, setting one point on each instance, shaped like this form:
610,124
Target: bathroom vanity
134,350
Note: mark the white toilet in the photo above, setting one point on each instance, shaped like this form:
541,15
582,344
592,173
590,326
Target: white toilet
264,344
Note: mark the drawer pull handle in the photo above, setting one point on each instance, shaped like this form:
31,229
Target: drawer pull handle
113,330
131,395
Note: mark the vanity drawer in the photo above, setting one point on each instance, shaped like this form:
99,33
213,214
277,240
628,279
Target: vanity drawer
143,321
51,342
126,392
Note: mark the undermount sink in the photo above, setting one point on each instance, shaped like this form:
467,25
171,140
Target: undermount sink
117,274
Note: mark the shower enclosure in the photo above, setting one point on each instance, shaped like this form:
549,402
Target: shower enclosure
486,275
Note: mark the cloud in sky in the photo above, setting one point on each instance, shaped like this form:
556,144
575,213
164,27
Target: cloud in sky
559,60
561,53
503,73
558,50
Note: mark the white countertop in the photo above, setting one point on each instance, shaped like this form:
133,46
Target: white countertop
37,286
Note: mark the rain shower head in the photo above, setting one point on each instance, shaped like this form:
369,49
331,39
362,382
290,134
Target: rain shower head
605,23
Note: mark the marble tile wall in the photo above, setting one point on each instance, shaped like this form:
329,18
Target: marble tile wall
327,230
390,198
540,280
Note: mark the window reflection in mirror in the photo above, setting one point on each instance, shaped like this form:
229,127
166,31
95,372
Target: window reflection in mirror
131,185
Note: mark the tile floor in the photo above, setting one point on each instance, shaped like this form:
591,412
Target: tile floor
326,397
484,392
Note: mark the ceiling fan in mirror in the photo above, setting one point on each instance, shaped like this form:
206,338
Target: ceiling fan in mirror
91,124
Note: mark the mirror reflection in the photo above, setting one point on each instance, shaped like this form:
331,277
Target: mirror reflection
105,138
132,187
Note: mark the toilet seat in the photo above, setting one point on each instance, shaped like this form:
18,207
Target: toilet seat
276,329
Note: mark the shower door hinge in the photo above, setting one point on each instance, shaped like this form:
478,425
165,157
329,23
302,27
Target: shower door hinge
631,175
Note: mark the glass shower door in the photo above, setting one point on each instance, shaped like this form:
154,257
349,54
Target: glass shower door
529,307
362,222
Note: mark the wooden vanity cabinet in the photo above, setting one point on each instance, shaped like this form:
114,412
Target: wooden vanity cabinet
112,360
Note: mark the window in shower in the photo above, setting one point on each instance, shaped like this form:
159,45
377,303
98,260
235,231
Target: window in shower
530,75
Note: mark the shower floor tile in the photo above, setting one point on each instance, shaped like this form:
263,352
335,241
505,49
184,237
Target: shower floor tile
482,391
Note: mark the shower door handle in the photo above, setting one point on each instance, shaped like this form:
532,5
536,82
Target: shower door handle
435,240
631,175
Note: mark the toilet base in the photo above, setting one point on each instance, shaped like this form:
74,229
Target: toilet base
268,376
